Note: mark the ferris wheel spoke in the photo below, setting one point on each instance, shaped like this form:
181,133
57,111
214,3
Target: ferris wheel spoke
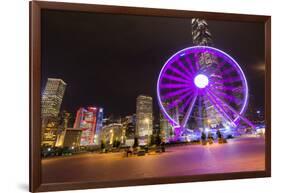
175,93
197,59
217,70
211,72
174,78
233,110
225,88
220,65
175,70
187,71
232,79
226,96
229,98
174,85
190,65
185,103
219,108
222,87
217,85
187,114
228,70
179,100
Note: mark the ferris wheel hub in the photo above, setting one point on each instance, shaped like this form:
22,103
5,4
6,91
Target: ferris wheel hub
201,81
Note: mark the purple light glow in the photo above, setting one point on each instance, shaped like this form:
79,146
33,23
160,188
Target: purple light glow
201,81
183,82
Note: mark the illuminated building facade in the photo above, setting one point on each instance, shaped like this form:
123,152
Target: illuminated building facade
112,133
51,100
49,135
69,138
90,121
200,32
166,129
52,97
112,119
129,126
99,126
129,122
144,121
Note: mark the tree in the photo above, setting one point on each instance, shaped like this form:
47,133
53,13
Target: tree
158,139
116,143
219,134
136,142
203,136
102,145
152,140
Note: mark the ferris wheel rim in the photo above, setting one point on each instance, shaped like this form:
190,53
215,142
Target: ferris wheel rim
224,56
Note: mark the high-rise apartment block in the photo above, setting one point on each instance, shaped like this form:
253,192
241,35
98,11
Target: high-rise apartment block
144,121
90,121
52,97
51,100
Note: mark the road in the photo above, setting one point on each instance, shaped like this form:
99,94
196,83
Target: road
241,154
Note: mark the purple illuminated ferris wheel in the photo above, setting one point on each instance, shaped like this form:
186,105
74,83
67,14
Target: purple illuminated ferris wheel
201,85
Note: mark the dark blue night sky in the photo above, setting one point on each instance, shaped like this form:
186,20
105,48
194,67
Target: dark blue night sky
108,60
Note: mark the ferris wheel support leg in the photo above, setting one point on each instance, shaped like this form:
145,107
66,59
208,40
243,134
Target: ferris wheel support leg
234,111
187,114
219,108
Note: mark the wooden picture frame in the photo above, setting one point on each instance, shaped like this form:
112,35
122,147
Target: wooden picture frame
35,87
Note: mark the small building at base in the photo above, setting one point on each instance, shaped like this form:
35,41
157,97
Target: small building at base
70,137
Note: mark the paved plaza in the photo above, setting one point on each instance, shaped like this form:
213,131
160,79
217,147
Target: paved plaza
240,154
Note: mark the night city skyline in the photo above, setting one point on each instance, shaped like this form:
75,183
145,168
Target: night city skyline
106,77
112,62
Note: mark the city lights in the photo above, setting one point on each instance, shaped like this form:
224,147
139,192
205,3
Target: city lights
187,116
144,113
90,121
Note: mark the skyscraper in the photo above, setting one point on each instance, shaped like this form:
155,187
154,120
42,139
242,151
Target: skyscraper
129,125
90,121
50,107
166,129
99,126
52,97
201,36
144,122
200,32
129,122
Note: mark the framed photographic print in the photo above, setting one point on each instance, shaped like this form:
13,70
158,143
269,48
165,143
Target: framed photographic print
123,96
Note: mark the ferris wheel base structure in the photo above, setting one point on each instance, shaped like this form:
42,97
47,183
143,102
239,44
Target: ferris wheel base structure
199,85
